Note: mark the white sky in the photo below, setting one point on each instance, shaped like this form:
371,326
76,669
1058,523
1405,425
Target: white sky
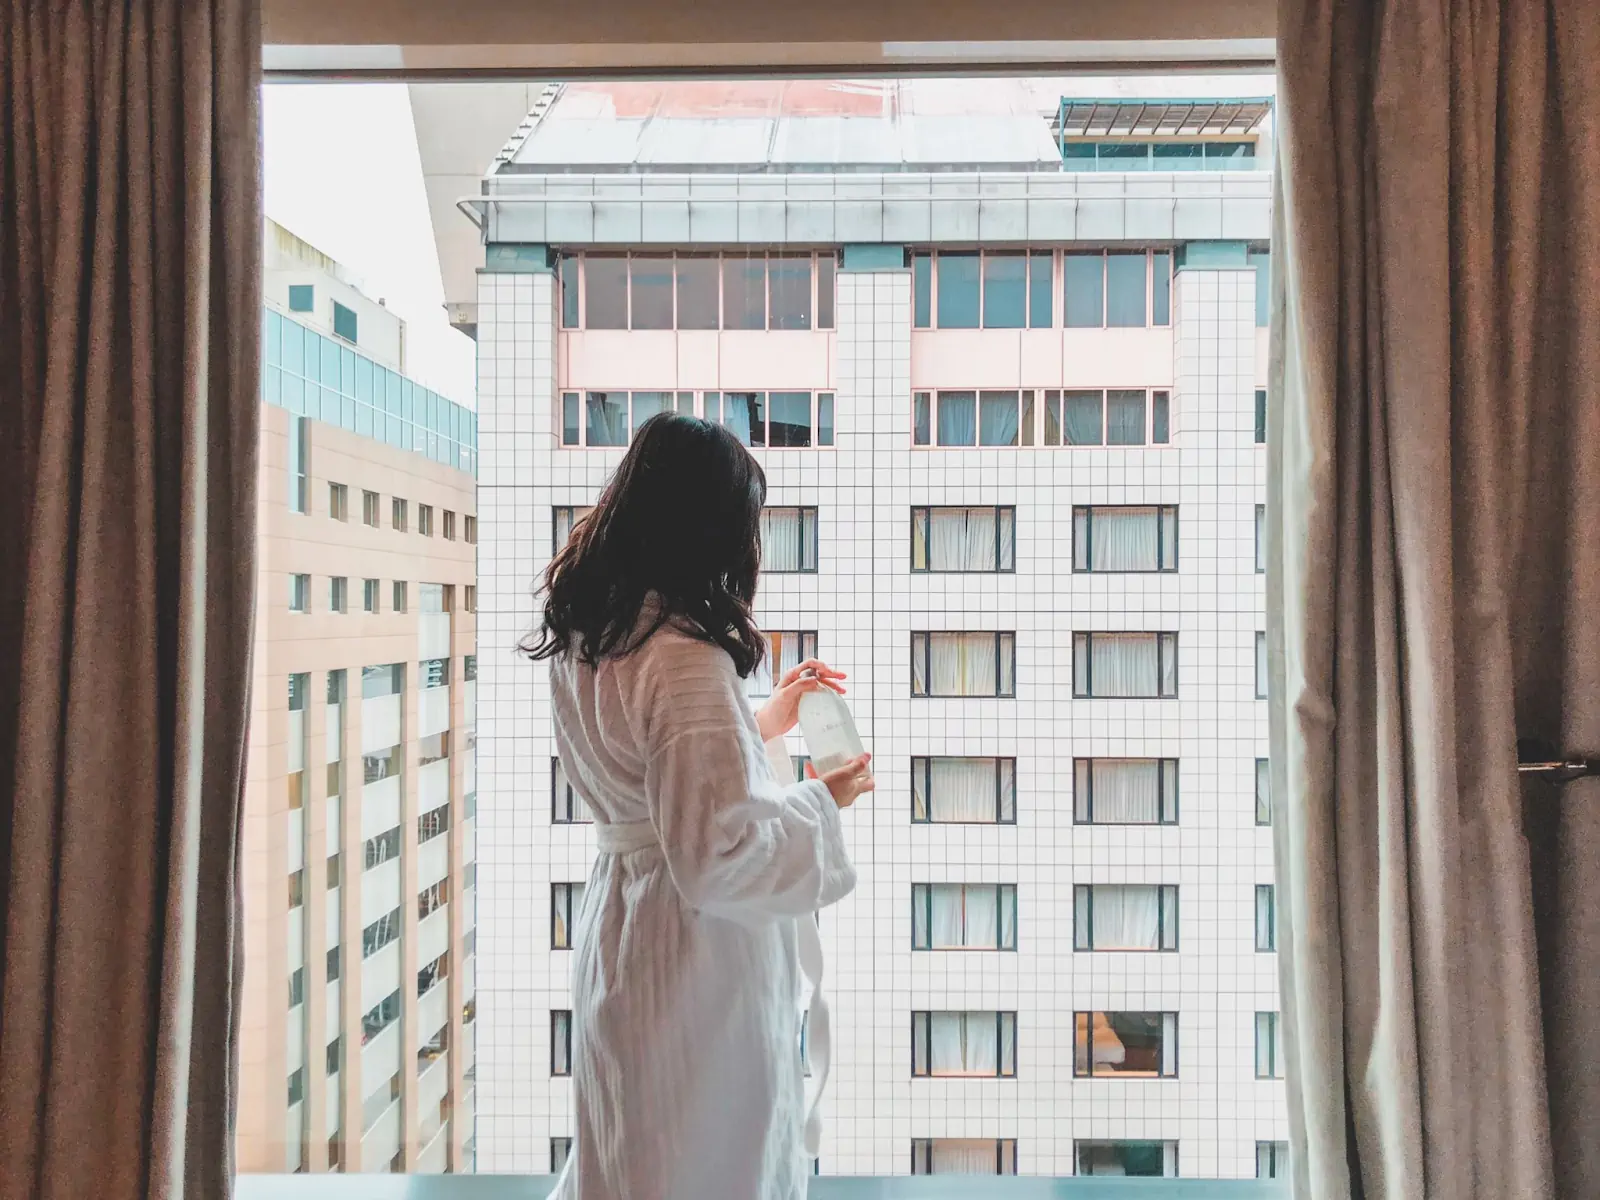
342,172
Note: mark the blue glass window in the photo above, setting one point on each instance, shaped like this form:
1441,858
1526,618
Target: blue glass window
302,297
1005,291
1125,290
1041,290
922,290
1085,290
958,291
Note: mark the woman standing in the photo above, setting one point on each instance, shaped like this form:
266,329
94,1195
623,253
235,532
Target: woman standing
688,967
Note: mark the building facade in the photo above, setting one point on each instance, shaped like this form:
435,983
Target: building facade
1011,412
359,893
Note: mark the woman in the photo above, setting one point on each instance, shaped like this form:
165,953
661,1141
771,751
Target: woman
686,978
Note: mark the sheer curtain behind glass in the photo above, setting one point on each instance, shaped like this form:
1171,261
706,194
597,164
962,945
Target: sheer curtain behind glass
130,318
962,789
1432,574
964,1156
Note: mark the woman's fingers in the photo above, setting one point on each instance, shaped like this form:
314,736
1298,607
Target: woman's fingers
815,667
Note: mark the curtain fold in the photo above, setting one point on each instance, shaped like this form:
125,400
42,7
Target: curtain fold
130,316
1432,582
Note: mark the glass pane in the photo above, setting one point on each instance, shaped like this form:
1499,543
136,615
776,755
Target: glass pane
1083,418
921,419
605,291
1178,156
922,291
1005,291
569,292
1161,288
651,279
697,291
745,414
958,291
648,404
789,277
1078,156
1041,290
1125,289
569,418
791,419
1085,290
958,419
825,419
1124,156
1262,262
608,418
744,291
1161,417
997,419
825,287
1124,418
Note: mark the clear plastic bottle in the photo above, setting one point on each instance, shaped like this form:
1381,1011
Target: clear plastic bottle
828,729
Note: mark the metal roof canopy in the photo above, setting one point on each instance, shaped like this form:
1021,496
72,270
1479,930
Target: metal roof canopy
1081,118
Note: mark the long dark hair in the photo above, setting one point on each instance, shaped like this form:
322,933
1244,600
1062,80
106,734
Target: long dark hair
680,521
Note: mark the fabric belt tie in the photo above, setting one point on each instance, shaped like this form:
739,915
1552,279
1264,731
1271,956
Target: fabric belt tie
625,837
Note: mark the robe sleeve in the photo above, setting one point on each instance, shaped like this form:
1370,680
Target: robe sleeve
738,843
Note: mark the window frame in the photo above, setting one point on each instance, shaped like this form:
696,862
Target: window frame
1267,938
809,539
299,592
564,893
1168,920
1005,1154
1079,1144
1261,665
1001,1027
922,896
1151,254
399,515
401,600
708,405
1160,511
1274,1033
1087,1071
1001,763
1083,796
572,275
1003,639
560,1043
999,512
338,501
369,509
1263,794
1165,638
557,774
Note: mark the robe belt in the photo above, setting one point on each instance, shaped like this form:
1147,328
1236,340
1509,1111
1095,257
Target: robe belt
625,837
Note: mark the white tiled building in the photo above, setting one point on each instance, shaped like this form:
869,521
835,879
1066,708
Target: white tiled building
942,307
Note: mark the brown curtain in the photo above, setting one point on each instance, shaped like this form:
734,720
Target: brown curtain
130,305
1434,594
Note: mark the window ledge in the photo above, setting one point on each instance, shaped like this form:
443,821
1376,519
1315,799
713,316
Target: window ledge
824,1187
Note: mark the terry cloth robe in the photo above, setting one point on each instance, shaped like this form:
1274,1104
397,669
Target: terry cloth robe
686,972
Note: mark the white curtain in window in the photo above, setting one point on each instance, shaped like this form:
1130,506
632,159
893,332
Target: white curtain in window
961,539
1008,917
1261,665
1124,664
1124,539
998,425
948,903
958,419
963,1043
781,543
1127,916
963,1156
963,789
1127,791
1169,663
962,664
785,652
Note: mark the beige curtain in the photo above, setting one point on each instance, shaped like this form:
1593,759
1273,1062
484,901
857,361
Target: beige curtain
1434,594
129,316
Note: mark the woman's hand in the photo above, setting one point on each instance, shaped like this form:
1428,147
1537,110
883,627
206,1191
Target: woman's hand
780,713
849,781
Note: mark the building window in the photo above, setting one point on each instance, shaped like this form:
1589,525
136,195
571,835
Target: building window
432,672
1272,1160
1096,417
786,649
1125,1045
382,847
776,420
399,605
1261,665
387,680
338,502
963,791
430,900
297,987
338,589
369,595
469,529
800,763
736,290
1133,917
433,973
1261,416
1261,260
300,593
333,958
1125,791
1005,289
1263,793
333,1058
470,597
964,664
302,298
964,539
964,1044
1157,1160
997,418
561,1042
1111,538
435,821
369,508
560,1151
397,514
1266,918
1261,538
963,916
449,525
425,520
1125,665
1269,1046
344,322
566,806
1117,288
566,901
380,933
299,466
297,1086
963,1156
380,1016
434,747
788,540
563,520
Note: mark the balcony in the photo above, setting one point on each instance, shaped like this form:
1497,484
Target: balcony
435,1156
825,1187
378,1146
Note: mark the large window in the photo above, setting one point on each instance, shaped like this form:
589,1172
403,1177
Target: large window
1125,1045
565,901
996,289
1125,791
786,649
963,1156
561,1041
761,420
1269,1046
1006,419
563,520
1263,793
788,539
1266,918
698,291
1116,288
970,1044
1132,1158
380,933
963,791
566,806
1125,665
963,916
964,539
963,664
1125,917
1116,538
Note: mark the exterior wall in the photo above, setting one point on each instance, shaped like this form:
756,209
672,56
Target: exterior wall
863,602
315,643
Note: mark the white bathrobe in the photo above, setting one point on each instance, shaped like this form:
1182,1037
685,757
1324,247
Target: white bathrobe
686,980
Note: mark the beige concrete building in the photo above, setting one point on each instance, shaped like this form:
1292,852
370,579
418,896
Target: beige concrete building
357,1045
